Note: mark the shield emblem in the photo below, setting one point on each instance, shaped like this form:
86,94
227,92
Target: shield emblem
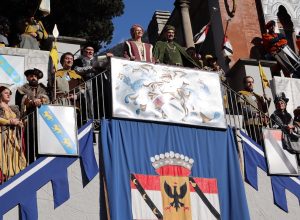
173,194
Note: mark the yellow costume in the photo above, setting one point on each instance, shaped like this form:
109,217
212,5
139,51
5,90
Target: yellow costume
12,158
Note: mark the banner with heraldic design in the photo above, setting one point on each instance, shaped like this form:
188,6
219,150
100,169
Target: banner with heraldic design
12,72
166,93
174,194
57,130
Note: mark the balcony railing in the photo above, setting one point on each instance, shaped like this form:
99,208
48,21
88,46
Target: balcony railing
92,101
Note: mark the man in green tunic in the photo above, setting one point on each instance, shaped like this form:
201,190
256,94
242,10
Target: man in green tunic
171,53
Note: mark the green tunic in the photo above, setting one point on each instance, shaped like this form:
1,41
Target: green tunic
173,54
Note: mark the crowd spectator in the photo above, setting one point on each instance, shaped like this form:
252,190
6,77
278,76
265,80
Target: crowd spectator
276,46
171,53
191,51
211,64
253,106
4,31
33,34
12,158
66,80
136,49
296,137
67,90
283,119
32,94
285,122
89,66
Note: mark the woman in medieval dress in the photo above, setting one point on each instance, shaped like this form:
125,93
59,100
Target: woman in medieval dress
12,158
136,49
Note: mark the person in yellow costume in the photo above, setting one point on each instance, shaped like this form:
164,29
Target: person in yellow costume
254,108
12,158
66,80
33,34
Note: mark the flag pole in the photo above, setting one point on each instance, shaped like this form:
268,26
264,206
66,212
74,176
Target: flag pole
266,100
209,22
37,8
55,35
226,28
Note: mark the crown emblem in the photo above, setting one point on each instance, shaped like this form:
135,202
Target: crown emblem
171,159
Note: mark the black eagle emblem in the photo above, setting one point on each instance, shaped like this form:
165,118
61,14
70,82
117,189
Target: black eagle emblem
174,195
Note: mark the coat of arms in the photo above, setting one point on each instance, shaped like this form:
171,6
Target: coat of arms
174,194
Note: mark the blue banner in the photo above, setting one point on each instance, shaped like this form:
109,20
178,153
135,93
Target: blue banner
22,188
255,157
9,70
134,152
57,129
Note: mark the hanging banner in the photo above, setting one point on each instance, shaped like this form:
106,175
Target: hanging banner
59,136
12,72
158,171
166,93
280,161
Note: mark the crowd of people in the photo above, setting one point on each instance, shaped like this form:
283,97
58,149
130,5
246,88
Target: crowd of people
72,85
28,33
255,113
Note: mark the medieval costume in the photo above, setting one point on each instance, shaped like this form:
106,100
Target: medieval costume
26,94
141,51
12,159
65,81
172,53
34,32
88,69
253,106
3,41
276,46
280,116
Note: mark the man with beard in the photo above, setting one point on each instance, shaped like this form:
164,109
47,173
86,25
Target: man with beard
171,53
253,107
33,94
28,97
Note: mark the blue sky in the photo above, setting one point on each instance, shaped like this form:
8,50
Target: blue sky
137,12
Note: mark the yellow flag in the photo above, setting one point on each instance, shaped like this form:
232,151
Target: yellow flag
263,76
54,55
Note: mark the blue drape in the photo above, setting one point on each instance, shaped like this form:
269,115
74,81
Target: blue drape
128,146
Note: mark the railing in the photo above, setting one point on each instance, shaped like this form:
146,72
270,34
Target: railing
243,115
92,100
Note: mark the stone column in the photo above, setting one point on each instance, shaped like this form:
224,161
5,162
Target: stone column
184,5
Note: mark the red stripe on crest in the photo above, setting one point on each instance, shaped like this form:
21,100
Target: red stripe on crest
149,182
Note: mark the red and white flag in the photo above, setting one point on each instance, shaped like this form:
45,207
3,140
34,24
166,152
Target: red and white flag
227,47
151,199
201,36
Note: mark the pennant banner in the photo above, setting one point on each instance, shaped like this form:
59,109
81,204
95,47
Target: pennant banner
201,36
21,189
227,48
158,171
255,157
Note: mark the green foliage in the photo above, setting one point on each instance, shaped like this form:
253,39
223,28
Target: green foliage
90,19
